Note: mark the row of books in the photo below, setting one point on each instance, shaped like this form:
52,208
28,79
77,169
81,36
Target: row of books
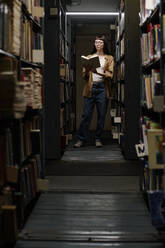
120,92
150,44
10,26
66,107
65,93
30,4
32,43
38,14
32,81
37,11
20,92
12,99
151,145
28,177
67,117
8,224
62,46
120,50
163,33
26,44
115,111
118,121
151,136
3,171
116,132
30,140
151,87
67,51
65,72
16,145
153,179
15,202
120,26
39,3
146,8
16,96
18,37
151,150
120,74
33,48
38,49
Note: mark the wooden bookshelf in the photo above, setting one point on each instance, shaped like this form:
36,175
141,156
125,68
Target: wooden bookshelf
59,80
151,89
126,102
152,117
21,107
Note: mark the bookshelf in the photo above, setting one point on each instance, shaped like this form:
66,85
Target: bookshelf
152,118
21,100
59,78
152,107
125,108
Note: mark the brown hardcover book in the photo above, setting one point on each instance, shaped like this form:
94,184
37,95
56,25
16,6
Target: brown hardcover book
31,177
3,173
155,149
10,231
8,64
36,141
12,174
92,62
35,173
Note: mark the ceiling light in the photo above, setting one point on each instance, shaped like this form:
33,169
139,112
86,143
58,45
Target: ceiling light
93,13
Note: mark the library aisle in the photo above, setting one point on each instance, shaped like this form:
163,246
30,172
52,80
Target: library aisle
91,210
113,196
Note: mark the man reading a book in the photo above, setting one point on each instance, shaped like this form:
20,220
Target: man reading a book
96,90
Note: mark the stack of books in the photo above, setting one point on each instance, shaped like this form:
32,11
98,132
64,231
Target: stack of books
37,90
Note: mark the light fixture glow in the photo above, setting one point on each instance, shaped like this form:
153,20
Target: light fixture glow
93,13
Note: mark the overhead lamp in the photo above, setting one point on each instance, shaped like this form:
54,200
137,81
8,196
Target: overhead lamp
93,13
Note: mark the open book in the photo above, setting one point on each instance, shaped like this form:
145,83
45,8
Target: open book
92,62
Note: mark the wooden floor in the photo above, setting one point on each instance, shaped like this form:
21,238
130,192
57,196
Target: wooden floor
89,160
87,245
88,211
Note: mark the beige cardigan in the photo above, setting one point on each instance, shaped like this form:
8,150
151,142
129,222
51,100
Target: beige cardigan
109,70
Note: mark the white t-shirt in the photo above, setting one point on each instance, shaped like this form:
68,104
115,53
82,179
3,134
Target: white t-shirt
96,77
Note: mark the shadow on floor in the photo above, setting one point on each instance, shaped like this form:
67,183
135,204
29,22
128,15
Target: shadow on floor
89,160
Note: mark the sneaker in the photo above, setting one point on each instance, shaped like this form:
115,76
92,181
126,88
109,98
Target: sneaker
78,144
98,143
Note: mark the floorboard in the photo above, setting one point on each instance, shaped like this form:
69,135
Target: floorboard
93,201
94,183
46,244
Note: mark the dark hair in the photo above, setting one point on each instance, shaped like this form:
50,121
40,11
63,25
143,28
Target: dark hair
105,48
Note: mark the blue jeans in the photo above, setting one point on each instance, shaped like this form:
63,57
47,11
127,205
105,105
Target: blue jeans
98,98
